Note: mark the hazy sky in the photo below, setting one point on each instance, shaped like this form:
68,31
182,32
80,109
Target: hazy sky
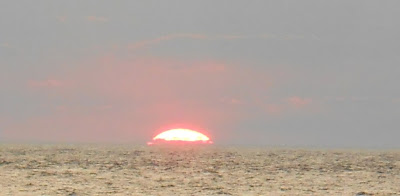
322,73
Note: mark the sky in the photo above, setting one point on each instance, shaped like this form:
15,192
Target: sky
296,73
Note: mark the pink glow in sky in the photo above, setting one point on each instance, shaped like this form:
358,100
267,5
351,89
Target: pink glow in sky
264,72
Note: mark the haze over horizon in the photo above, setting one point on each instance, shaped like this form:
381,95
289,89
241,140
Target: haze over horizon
302,73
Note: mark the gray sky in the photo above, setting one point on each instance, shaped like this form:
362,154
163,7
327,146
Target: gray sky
319,73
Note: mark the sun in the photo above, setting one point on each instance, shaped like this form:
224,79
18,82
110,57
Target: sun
180,136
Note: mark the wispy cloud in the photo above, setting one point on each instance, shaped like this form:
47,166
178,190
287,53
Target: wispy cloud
298,101
97,19
108,93
274,109
158,40
233,101
62,19
232,37
396,100
5,45
286,105
352,98
51,83
284,36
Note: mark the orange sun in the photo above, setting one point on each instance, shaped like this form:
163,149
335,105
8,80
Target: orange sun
180,136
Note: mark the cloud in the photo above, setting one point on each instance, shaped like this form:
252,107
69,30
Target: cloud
69,126
352,98
5,45
286,37
164,78
280,107
62,19
233,37
274,109
110,98
298,102
233,101
158,40
359,99
97,19
49,83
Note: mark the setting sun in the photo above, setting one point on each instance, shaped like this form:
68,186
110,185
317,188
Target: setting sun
181,136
